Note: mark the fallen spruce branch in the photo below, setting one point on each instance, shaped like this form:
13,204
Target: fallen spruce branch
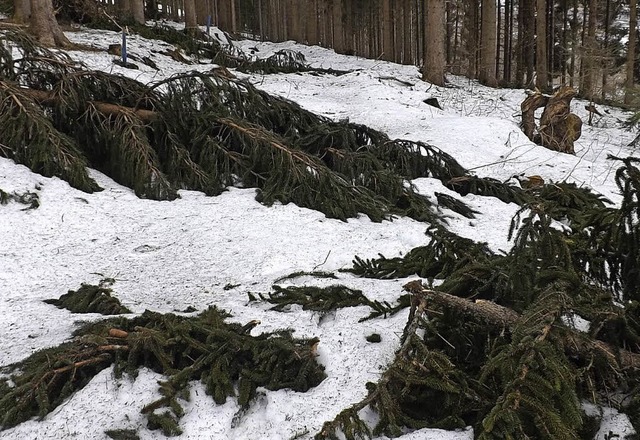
225,357
496,314
525,384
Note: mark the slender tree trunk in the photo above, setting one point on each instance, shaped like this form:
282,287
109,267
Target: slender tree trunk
631,51
587,89
506,45
605,51
21,11
471,31
456,40
387,30
542,73
574,43
44,25
498,30
529,40
565,40
488,45
434,44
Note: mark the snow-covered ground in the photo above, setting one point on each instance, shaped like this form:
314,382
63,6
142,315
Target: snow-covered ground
166,256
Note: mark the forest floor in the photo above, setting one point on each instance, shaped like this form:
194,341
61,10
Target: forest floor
199,251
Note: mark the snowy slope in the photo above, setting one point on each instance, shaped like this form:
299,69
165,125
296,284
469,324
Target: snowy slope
166,256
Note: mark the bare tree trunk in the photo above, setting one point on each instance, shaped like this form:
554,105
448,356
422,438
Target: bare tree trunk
124,7
387,31
587,88
574,43
202,11
506,45
21,11
44,25
542,72
190,17
565,40
471,31
605,54
489,43
434,44
137,11
631,51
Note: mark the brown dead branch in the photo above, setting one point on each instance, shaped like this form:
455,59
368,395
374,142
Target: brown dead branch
44,97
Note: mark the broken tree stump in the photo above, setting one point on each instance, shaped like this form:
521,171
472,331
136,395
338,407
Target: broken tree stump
559,128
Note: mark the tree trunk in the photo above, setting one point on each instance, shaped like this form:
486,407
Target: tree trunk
542,72
44,25
489,43
202,11
574,43
190,17
631,51
137,11
124,7
470,32
387,31
434,44
606,54
587,89
506,45
21,11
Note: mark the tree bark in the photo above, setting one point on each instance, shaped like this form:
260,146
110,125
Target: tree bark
631,51
387,31
21,11
489,43
434,44
587,88
44,25
137,11
190,17
471,34
542,73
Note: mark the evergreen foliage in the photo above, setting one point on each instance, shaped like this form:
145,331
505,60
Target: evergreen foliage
613,236
444,253
224,356
203,132
330,298
90,299
27,198
518,372
122,434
